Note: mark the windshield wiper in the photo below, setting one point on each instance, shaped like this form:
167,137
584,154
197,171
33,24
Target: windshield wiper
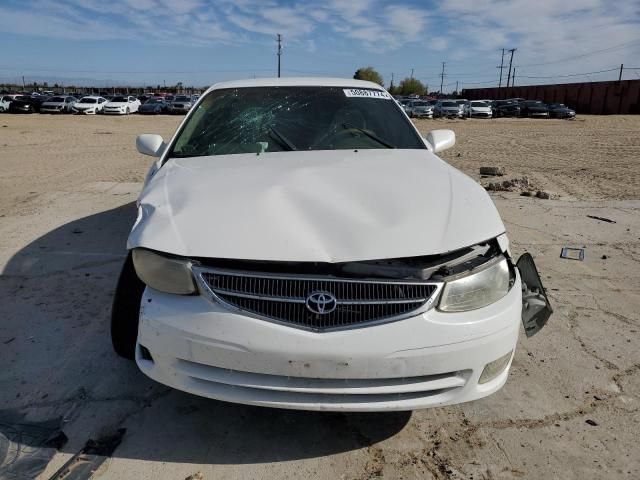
369,134
281,139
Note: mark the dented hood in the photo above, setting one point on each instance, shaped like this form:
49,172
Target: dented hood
316,206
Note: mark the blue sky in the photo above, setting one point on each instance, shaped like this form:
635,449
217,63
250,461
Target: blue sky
200,42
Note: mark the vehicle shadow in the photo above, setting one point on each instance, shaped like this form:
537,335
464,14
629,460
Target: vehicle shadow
56,294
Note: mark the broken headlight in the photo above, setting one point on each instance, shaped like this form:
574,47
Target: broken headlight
481,287
166,274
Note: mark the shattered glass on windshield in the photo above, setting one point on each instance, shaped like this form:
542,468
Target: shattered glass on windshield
272,119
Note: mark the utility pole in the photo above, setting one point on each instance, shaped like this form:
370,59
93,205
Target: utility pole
23,85
510,62
391,86
513,78
620,76
501,67
442,78
279,52
412,73
456,87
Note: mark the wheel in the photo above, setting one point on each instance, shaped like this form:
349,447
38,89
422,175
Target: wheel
125,311
127,111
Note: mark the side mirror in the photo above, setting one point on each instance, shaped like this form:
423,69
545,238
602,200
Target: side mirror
150,144
441,139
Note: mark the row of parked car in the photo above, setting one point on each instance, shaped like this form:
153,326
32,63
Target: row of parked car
514,107
94,104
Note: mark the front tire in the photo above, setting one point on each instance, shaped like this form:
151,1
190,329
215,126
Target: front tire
127,111
125,310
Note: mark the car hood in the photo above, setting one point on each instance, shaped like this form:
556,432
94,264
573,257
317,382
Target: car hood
150,106
318,206
116,104
481,109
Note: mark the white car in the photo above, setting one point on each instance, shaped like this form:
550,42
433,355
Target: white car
122,105
5,100
90,105
58,104
299,245
477,108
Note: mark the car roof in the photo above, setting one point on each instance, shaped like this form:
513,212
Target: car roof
296,82
92,96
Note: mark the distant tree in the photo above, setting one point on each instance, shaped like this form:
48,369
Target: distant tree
368,73
410,86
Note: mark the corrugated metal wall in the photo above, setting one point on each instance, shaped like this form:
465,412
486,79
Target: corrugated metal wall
600,98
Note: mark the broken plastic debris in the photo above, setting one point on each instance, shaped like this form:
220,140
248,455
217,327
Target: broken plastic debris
572,253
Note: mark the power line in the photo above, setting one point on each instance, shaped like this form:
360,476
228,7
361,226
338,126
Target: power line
594,52
572,74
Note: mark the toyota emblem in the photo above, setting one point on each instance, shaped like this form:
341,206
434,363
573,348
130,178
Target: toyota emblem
321,303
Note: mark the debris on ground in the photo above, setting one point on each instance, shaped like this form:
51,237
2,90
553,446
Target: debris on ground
195,476
492,171
83,464
510,185
543,195
572,253
604,257
593,423
604,219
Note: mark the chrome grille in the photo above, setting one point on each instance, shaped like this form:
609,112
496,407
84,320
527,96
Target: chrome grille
283,298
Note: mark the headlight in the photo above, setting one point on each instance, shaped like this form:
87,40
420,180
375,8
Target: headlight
169,275
476,290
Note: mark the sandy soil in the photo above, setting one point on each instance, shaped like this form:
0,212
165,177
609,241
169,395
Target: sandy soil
571,407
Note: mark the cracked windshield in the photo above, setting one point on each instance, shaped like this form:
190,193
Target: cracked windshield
274,119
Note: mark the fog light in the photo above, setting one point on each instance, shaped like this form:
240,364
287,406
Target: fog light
495,368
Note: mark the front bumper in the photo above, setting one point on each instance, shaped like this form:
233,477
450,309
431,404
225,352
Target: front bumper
51,109
115,111
179,109
86,111
480,114
429,360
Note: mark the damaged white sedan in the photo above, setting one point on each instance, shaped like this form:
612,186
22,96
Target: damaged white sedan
299,245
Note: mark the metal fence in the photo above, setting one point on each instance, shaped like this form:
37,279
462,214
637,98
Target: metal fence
600,98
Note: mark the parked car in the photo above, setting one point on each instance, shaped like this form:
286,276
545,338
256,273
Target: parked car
246,282
560,110
533,108
506,108
143,98
448,108
419,109
5,101
461,101
180,104
26,104
90,105
477,108
122,105
154,105
58,104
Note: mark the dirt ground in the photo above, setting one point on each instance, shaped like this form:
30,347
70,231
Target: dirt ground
571,407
